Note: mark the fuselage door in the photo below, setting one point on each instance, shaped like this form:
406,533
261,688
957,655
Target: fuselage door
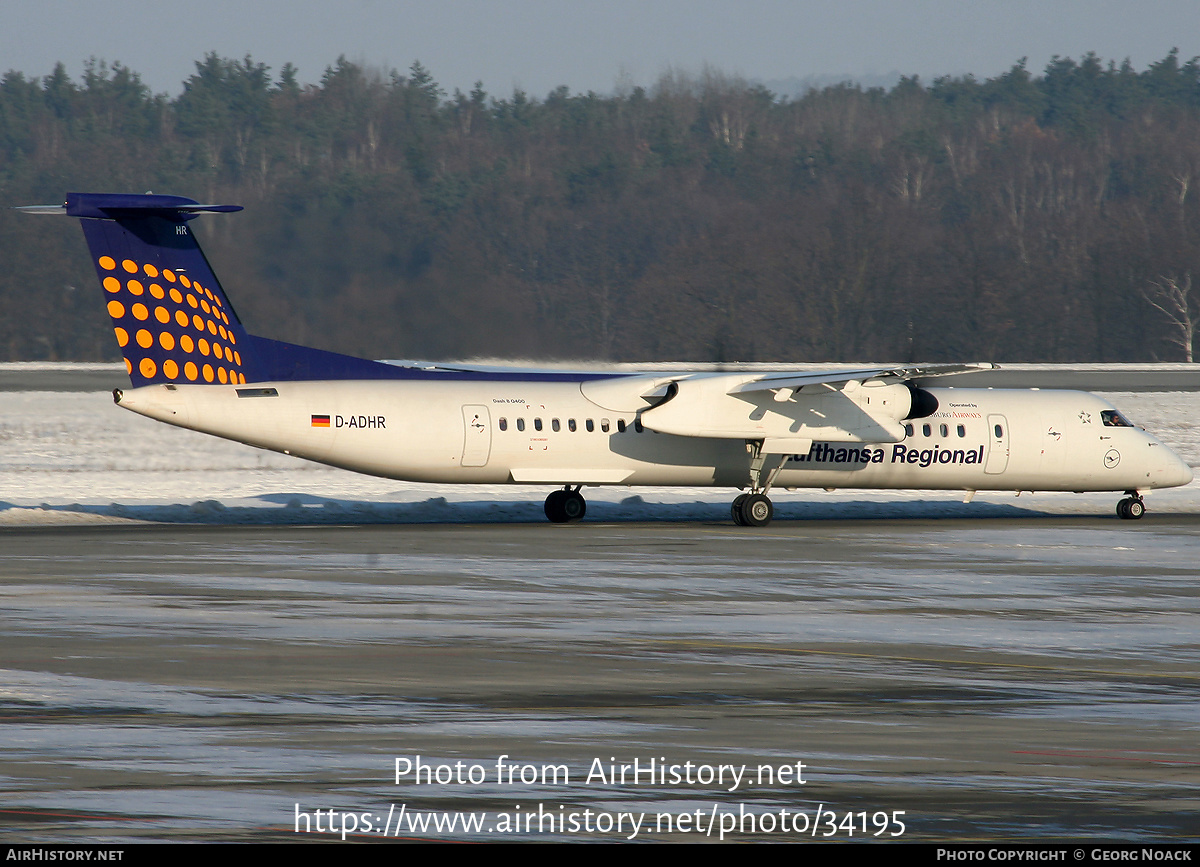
477,435
997,459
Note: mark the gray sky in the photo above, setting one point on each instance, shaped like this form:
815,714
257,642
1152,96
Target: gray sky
540,44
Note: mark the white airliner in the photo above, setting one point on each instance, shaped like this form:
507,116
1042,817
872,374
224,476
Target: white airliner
192,364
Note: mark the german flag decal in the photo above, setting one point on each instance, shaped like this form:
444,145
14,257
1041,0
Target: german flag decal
320,421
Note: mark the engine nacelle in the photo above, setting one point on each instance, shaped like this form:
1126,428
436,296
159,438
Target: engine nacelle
853,411
924,404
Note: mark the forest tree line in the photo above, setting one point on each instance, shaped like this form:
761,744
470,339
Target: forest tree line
1027,217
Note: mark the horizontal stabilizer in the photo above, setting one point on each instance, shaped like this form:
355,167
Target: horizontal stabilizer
113,205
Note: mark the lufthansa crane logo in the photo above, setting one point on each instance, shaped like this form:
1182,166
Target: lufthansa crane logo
1111,458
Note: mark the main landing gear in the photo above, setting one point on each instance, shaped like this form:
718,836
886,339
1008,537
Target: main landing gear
1131,508
566,506
754,509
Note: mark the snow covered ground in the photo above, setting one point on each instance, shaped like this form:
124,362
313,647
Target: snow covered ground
75,457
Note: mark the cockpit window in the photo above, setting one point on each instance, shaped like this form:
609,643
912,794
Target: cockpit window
1112,418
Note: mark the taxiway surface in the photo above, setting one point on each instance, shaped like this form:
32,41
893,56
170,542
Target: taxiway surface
1027,677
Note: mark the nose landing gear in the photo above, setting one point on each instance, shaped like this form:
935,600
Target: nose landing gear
1131,508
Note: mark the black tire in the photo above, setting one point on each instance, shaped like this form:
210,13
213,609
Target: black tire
1122,510
757,510
555,507
736,509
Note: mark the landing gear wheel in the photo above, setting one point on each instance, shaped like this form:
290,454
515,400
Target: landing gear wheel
565,507
736,509
554,507
756,510
574,506
1131,508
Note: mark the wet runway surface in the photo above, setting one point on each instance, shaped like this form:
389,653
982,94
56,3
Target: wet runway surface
1007,678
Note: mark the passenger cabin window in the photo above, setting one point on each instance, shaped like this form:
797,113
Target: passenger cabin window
591,425
620,425
503,424
537,424
554,425
944,431
999,432
1112,418
520,424
926,430
962,430
908,430
571,425
638,426
604,425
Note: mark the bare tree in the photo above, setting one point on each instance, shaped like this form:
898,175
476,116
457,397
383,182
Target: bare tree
1174,298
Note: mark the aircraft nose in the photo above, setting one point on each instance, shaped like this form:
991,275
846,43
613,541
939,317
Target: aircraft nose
1175,472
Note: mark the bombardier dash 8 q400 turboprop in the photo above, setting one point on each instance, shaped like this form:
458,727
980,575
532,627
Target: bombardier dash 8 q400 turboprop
192,364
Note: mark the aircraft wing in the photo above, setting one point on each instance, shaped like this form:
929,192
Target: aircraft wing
773,381
866,404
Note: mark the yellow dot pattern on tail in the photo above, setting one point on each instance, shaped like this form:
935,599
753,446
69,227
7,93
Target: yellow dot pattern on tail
172,311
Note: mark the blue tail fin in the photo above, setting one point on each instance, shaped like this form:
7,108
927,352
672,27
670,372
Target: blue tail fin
170,314
172,319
